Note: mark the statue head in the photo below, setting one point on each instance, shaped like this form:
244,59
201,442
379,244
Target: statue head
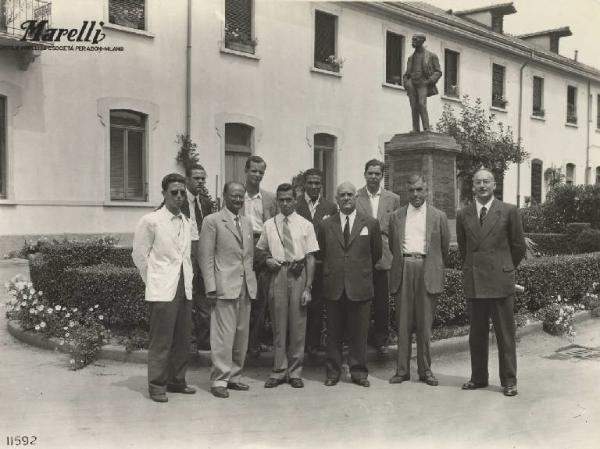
418,40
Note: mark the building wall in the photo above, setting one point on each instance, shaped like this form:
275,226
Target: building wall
59,143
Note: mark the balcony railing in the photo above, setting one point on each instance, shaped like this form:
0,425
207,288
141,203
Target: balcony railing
14,12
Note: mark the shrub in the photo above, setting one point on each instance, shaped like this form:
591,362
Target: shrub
551,244
557,317
541,218
588,241
574,229
452,305
454,260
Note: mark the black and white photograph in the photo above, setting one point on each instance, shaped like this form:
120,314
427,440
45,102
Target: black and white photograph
297,224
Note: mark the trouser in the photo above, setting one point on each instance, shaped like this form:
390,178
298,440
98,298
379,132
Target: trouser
229,324
500,310
314,311
170,337
353,316
415,311
417,96
259,304
289,323
381,308
201,315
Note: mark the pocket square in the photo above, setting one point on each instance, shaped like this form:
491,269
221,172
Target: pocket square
364,231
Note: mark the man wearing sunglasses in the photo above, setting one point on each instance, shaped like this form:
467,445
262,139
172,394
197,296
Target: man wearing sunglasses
161,252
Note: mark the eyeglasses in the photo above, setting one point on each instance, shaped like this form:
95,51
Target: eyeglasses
177,192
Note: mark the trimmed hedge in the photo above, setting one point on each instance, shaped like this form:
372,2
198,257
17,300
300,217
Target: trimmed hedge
552,244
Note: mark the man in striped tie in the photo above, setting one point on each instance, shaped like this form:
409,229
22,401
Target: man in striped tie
290,240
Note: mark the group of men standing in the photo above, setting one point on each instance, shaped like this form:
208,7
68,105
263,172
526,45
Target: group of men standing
299,255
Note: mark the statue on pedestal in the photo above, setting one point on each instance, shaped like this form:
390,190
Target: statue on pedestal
422,72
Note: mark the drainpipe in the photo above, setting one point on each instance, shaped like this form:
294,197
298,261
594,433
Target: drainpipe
188,70
587,144
519,125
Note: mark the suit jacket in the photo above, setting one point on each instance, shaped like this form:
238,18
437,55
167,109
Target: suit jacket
349,269
205,206
491,252
324,208
388,203
431,70
159,255
224,261
437,242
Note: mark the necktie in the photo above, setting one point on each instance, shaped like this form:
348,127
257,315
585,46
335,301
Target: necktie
288,243
239,230
198,214
347,232
482,215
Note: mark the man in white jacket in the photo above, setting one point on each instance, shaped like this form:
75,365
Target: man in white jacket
161,252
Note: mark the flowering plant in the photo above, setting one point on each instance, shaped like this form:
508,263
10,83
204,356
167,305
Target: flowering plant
336,61
237,35
558,317
81,331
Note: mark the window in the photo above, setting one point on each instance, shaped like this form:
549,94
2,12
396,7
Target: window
536,181
572,105
238,146
498,99
127,155
324,160
597,175
598,111
325,42
128,13
451,59
394,43
538,96
3,161
239,34
570,177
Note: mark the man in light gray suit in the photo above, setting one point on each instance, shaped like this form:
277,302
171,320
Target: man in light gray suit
419,239
377,202
226,256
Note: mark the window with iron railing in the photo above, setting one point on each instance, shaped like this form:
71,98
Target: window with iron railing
128,13
3,131
538,97
326,57
127,155
394,45
451,61
498,94
239,34
572,105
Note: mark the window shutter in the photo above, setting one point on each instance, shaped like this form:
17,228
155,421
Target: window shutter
117,164
3,125
537,94
393,66
238,19
536,181
135,165
324,36
451,73
127,13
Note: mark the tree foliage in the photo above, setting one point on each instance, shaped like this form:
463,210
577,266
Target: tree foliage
485,142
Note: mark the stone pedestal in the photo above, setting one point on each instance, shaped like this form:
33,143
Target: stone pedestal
431,154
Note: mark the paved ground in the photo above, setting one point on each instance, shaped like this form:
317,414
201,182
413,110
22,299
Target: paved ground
106,405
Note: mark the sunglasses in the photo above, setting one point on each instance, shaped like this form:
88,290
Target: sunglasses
177,192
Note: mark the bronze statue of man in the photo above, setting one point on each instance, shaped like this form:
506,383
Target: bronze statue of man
422,72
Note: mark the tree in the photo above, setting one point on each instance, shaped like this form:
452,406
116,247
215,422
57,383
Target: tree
485,142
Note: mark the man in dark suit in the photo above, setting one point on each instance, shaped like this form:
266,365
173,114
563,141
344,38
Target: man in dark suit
196,206
419,239
315,208
377,202
491,242
259,206
350,245
422,72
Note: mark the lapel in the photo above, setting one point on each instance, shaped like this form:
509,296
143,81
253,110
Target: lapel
336,223
185,207
229,224
472,221
168,227
359,223
402,228
303,210
490,219
362,199
428,227
383,203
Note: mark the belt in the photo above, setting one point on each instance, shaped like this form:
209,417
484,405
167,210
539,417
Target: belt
414,255
287,263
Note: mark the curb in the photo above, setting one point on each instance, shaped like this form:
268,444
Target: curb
118,353
16,262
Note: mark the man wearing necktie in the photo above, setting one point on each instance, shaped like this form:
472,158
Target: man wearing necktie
196,206
226,256
291,242
419,239
161,252
350,246
491,242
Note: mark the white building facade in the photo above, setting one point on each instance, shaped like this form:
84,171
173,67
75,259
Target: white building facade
87,135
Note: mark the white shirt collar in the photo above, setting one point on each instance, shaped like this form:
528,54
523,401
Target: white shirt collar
487,205
310,201
231,214
417,210
190,196
343,216
254,197
371,195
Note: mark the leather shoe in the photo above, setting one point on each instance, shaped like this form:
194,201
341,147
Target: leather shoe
219,392
329,382
159,397
429,380
510,390
362,382
296,382
397,379
183,390
238,386
470,385
273,382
